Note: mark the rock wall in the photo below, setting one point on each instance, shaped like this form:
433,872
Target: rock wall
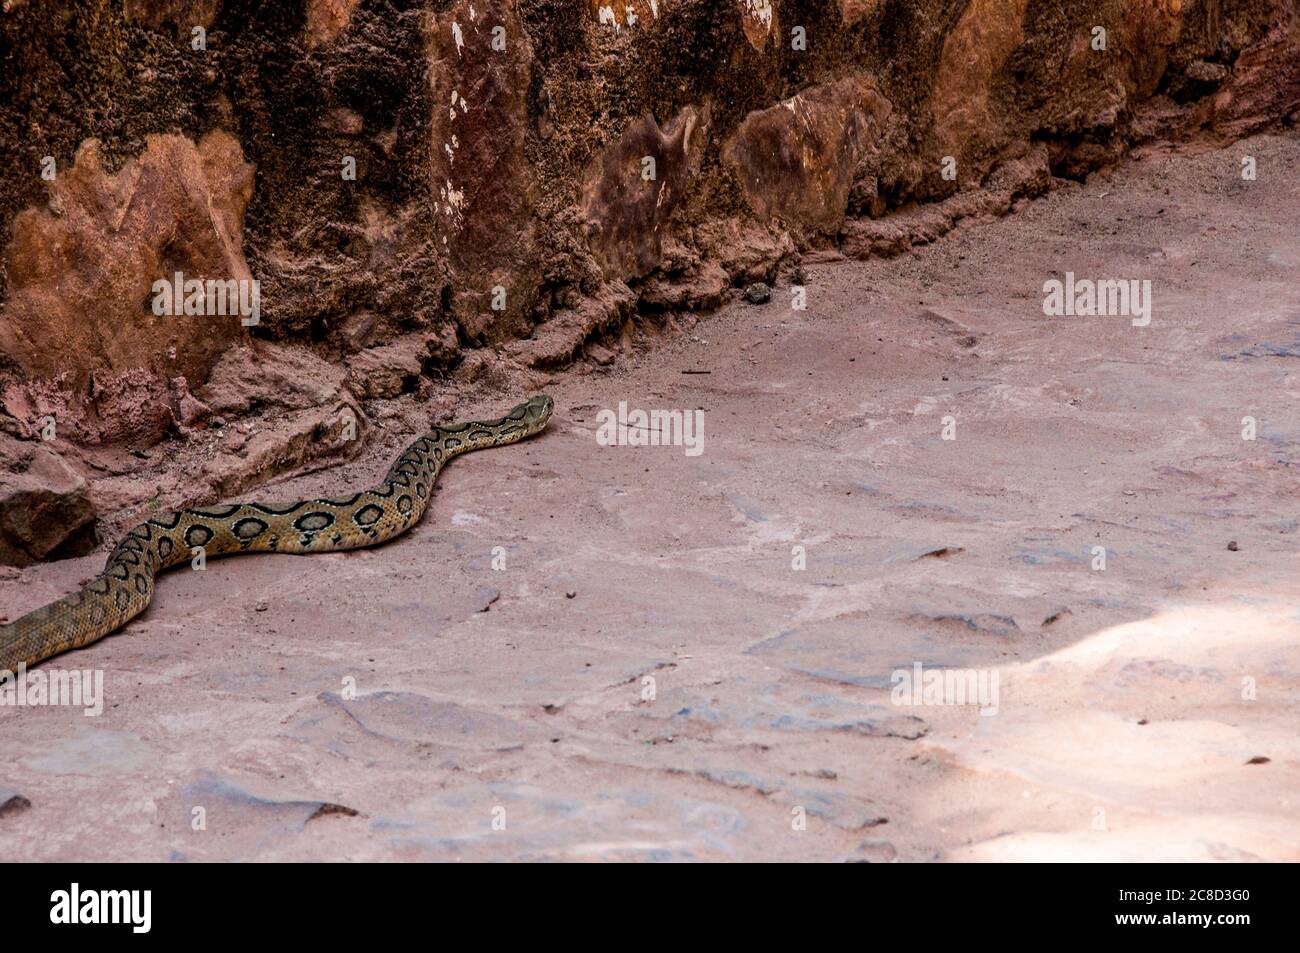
425,178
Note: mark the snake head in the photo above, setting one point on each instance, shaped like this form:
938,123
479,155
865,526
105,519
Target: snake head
537,410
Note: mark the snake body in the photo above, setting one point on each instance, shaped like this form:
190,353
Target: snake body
367,518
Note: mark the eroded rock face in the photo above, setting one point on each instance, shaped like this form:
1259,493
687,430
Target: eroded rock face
479,176
758,19
437,179
797,160
179,16
622,14
79,324
976,50
854,10
1265,82
633,188
326,19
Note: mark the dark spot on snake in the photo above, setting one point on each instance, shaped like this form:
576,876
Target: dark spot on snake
165,546
340,503
175,520
368,515
119,571
250,527
217,514
336,538
420,490
141,584
198,535
121,600
403,504
277,511
453,443
314,522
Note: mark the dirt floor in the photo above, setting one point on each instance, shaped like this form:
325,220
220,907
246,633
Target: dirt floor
647,675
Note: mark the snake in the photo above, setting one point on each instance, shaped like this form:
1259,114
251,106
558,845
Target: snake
366,518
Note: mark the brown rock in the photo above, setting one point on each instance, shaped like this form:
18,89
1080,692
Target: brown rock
479,175
78,323
620,14
1029,175
702,289
326,19
44,510
758,19
189,409
746,251
632,189
1265,81
854,10
346,122
973,53
389,370
318,434
181,16
270,375
356,331
558,341
796,160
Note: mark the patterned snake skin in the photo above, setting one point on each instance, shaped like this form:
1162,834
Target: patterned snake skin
367,518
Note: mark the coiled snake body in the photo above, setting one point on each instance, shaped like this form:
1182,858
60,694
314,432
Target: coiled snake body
366,518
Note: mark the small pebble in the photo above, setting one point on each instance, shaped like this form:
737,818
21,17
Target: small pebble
570,594
758,293
1232,546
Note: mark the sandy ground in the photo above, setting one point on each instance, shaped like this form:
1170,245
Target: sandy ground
648,676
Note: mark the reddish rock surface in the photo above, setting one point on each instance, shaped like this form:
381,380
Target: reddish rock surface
633,188
456,190
797,160
480,180
78,324
326,19
45,511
